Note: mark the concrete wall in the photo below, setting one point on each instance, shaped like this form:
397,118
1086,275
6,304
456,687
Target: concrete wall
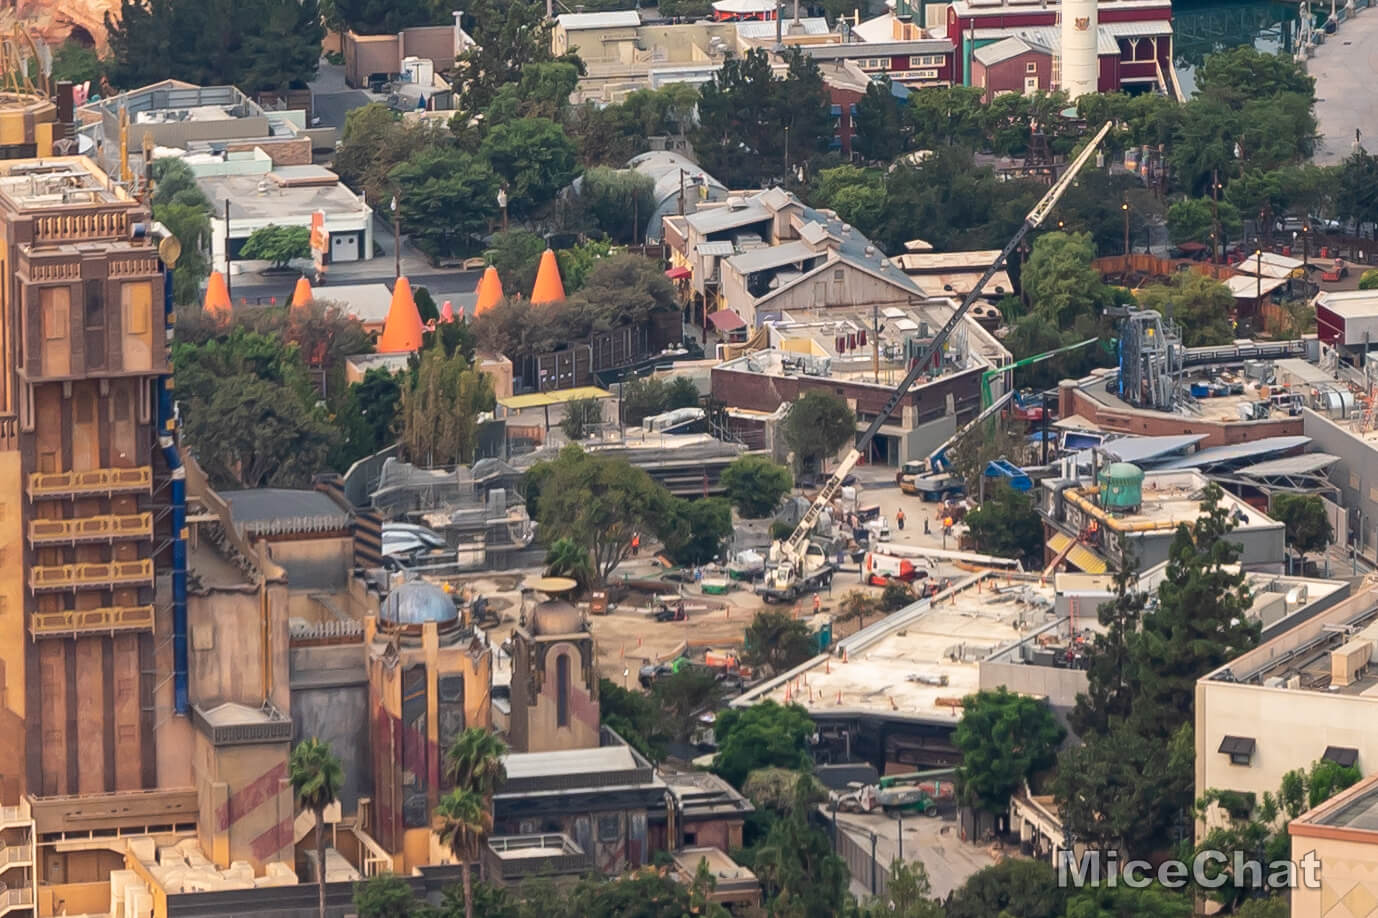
434,43
244,801
318,565
367,54
330,702
1348,868
1059,686
1356,474
226,647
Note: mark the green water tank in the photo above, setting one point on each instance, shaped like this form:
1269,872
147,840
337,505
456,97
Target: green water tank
1121,487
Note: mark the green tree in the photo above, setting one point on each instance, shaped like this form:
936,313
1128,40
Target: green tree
745,114
76,62
1306,522
1125,902
567,558
642,397
181,206
764,735
1015,887
534,159
1094,204
385,895
621,290
1369,280
316,777
1259,194
1275,906
796,865
582,417
856,607
1059,281
277,244
680,392
543,92
256,45
1191,220
1201,306
646,893
879,123
635,717
895,596
385,17
777,641
908,894
1244,73
755,485
598,502
249,411
619,202
446,199
684,695
366,417
610,135
579,260
1109,697
1356,188
1007,525
516,254
440,409
817,425
1004,740
508,37
947,116
694,530
474,766
374,143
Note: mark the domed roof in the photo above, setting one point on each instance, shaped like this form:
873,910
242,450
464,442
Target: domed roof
1123,470
554,616
416,602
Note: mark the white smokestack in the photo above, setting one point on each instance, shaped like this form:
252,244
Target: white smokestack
1080,66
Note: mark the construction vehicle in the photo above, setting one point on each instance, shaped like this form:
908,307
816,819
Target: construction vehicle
917,792
793,566
806,570
879,569
935,488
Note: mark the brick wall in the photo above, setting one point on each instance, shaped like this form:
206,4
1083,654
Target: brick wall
1072,400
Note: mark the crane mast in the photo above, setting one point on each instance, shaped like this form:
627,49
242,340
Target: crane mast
792,549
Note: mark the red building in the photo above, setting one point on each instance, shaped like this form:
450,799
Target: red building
916,63
1135,42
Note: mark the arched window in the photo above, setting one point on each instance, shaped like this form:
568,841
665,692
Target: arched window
562,690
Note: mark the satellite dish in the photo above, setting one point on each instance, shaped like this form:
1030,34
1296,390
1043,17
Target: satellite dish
169,250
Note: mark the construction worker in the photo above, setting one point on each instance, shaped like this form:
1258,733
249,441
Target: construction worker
817,604
636,544
925,525
899,518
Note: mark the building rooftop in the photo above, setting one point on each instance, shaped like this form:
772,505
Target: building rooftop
1355,809
918,663
807,25
369,303
54,182
613,19
967,8
279,194
1328,652
878,48
1172,498
277,510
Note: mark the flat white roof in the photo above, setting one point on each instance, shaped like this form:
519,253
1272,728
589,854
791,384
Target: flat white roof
1350,304
919,662
570,762
614,19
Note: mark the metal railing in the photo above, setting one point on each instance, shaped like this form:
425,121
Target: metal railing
12,899
72,576
91,529
91,481
84,621
15,854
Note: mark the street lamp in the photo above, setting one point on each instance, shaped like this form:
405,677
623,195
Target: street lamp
1124,206
1305,245
396,240
502,203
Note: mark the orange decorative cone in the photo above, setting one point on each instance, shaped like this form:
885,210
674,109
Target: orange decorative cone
489,291
549,288
217,296
402,330
302,295
447,312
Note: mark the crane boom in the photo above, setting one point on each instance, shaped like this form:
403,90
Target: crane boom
794,545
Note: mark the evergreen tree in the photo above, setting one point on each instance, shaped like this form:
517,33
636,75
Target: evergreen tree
1109,695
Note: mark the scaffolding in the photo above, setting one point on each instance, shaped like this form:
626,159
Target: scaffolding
1150,360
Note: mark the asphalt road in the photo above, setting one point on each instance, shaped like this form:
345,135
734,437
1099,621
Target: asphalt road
1346,70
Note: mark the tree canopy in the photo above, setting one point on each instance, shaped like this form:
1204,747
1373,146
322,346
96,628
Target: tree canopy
1306,522
1200,305
755,485
817,425
1008,525
777,641
1004,740
764,735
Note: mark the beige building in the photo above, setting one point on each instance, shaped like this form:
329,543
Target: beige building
1342,835
1308,694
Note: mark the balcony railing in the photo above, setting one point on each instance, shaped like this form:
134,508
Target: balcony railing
15,855
12,899
105,620
91,481
76,576
11,816
91,529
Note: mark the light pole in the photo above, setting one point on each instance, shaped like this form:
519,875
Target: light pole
1258,276
1305,246
1124,206
502,203
1215,213
396,240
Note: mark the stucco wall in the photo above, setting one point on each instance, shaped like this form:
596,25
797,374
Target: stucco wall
226,647
1356,474
315,565
1157,423
1345,865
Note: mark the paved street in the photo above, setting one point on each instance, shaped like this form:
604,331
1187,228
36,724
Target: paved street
1346,70
332,99
948,860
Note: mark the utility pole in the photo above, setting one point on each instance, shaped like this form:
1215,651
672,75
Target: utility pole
396,240
681,191
1124,206
787,154
228,287
1306,245
502,203
875,341
1215,213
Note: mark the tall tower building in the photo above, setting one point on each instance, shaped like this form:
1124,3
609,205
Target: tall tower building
82,347
554,676
1079,62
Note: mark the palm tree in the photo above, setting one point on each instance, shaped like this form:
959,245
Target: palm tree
567,558
473,764
462,819
316,776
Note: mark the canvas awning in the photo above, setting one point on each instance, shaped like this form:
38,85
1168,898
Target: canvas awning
1081,556
677,272
725,320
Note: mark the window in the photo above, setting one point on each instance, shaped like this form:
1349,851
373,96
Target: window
55,302
839,275
562,690
95,304
926,60
1031,67
1344,756
138,307
1240,749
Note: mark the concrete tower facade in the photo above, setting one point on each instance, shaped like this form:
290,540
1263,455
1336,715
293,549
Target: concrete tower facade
1079,63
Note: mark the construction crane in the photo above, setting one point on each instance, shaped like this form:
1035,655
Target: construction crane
986,377
790,569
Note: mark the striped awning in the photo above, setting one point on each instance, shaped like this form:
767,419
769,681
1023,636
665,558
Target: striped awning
1084,558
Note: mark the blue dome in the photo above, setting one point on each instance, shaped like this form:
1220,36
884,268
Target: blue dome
416,602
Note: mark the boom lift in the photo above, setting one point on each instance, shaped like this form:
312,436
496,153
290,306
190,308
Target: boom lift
795,563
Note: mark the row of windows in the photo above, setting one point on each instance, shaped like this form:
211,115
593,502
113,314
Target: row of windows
917,60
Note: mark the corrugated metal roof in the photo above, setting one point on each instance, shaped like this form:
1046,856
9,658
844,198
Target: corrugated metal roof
775,256
811,25
1083,557
1247,287
1003,50
1233,452
1305,464
726,218
855,49
255,507
1050,38
614,19
1144,449
721,249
